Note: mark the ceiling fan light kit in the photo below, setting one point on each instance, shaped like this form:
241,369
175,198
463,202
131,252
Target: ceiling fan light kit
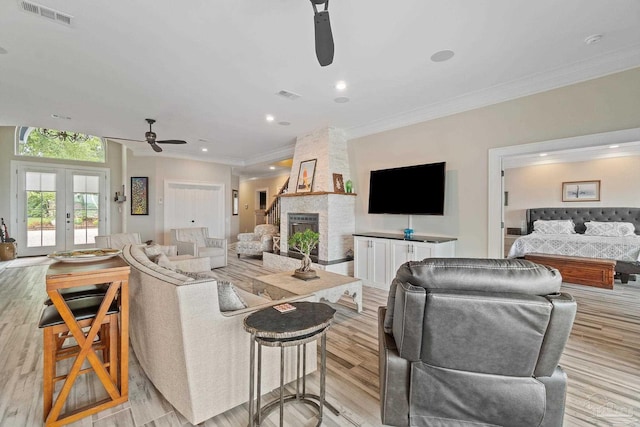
324,36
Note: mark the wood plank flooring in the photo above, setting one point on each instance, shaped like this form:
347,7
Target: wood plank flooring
602,360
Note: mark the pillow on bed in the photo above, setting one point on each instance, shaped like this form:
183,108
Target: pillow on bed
609,229
554,226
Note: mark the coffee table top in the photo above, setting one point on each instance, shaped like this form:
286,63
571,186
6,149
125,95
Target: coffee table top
307,318
325,280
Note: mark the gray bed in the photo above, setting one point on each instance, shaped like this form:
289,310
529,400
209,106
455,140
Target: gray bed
583,214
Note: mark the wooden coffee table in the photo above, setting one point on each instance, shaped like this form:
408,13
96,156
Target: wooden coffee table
327,287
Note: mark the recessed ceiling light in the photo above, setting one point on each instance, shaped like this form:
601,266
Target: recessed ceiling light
205,149
272,167
61,117
614,146
593,39
443,55
543,154
270,118
341,85
284,123
341,99
3,51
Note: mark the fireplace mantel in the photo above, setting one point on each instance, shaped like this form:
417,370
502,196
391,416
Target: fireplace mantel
315,193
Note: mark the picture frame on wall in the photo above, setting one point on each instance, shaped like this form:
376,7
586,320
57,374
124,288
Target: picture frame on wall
235,203
305,176
581,191
139,195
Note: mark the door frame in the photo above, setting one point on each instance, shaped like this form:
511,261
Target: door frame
16,164
495,220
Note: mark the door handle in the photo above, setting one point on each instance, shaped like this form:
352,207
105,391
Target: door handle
193,220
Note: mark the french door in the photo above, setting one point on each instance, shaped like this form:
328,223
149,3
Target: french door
59,207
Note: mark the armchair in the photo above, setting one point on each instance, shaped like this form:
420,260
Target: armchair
474,342
196,241
261,240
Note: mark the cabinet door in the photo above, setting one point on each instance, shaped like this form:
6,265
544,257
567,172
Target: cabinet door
379,267
400,252
361,258
420,251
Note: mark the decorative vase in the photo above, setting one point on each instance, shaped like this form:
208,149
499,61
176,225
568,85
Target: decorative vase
8,251
305,275
348,186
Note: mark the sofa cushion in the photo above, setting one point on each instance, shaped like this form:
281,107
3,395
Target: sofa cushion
155,250
228,298
163,261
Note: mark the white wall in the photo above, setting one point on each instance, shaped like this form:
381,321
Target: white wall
463,140
541,185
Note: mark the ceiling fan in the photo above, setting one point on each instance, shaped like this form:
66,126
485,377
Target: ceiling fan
150,137
324,36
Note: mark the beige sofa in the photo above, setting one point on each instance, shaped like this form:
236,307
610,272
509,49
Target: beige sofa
196,355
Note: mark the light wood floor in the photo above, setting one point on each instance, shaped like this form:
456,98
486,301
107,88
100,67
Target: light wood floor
602,360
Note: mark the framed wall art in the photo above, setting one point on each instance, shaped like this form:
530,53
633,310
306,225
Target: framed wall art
305,176
581,191
139,195
234,202
338,183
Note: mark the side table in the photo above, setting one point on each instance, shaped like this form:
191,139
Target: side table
269,327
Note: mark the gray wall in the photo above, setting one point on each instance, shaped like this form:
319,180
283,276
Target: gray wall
463,140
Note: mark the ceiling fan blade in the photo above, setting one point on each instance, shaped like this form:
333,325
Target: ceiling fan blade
155,147
171,141
324,38
123,139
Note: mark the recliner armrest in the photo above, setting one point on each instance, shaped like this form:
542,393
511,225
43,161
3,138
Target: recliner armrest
186,248
557,334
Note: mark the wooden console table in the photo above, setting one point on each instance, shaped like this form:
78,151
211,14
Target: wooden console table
115,273
584,271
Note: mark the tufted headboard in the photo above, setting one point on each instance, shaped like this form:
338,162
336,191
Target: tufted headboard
581,215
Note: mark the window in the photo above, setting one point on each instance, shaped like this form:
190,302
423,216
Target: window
56,144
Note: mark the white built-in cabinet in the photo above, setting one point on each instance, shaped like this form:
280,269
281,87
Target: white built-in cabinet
376,259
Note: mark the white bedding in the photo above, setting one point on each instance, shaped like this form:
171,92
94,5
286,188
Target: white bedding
617,248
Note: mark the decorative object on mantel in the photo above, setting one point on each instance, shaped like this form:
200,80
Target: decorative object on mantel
338,184
305,176
304,242
120,196
8,246
581,191
348,186
139,195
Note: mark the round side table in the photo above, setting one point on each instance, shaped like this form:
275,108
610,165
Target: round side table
269,327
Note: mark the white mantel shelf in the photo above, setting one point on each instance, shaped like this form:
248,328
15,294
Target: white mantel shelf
315,193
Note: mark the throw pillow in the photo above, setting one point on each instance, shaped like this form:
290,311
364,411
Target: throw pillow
609,229
155,250
228,298
163,261
555,226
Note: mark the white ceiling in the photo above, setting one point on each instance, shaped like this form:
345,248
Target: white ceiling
210,70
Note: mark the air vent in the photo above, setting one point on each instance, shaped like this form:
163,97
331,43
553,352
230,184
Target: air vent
45,12
289,95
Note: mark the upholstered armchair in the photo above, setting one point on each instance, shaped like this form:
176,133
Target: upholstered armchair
196,241
474,342
261,240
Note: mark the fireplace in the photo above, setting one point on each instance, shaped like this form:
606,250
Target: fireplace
301,222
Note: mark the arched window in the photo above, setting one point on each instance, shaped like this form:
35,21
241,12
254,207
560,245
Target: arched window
56,144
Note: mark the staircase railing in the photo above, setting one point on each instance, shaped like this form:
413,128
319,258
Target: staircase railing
273,211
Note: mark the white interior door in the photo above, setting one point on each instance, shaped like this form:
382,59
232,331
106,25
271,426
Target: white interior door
194,205
59,208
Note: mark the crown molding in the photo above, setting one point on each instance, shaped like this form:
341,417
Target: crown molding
600,66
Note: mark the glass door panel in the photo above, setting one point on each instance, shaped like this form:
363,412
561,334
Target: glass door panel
40,192
86,208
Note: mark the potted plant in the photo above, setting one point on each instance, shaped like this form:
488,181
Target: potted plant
304,242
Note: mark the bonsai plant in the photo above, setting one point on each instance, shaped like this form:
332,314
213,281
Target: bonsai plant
304,242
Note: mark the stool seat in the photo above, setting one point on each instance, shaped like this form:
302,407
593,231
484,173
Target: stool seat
69,294
81,308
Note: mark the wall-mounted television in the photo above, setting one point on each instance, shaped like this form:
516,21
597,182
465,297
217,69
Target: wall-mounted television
415,190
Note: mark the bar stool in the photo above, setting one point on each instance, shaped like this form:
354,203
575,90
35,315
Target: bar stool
103,337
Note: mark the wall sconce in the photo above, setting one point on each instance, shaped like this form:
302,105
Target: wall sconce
120,197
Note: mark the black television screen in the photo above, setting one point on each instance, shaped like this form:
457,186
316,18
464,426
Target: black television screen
417,190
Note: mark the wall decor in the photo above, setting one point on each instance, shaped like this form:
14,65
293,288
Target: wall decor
305,176
234,202
581,191
139,195
338,183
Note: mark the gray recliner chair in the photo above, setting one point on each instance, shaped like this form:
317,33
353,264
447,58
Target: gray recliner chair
469,342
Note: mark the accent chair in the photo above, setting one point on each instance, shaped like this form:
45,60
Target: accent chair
196,241
474,342
261,240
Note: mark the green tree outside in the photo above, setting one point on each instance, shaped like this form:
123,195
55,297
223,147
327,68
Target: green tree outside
38,145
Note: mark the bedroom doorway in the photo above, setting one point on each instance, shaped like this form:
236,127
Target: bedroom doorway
498,156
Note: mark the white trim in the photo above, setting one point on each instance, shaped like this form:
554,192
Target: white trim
601,66
495,242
